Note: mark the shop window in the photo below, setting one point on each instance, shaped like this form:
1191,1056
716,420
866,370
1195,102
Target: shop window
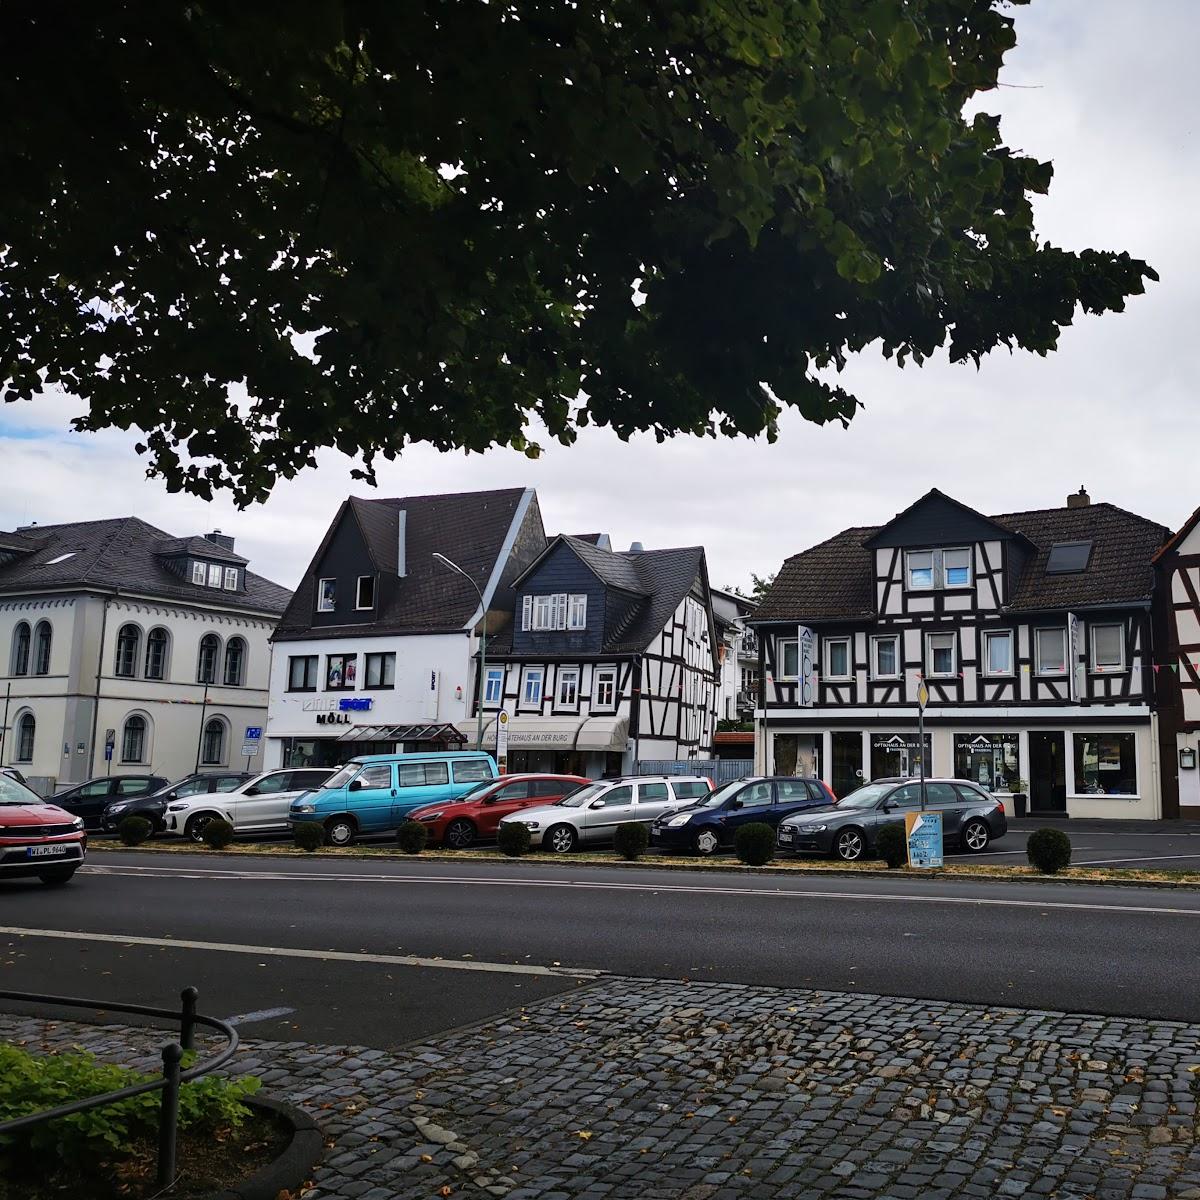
898,755
341,672
991,760
1106,764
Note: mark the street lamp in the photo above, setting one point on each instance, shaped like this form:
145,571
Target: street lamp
482,644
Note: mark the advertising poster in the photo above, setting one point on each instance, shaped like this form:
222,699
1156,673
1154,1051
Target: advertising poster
923,832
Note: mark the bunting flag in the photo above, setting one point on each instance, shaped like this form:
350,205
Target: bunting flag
1156,668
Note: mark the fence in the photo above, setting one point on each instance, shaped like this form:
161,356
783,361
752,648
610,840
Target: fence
172,1073
719,770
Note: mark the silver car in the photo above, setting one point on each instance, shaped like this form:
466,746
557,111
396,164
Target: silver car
260,805
589,815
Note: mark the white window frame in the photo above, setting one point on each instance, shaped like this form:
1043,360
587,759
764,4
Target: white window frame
1005,635
1107,668
359,606
199,573
876,673
605,675
563,675
909,585
214,575
944,581
231,579
782,646
577,612
526,612
1061,633
542,612
929,671
495,674
321,605
830,642
527,675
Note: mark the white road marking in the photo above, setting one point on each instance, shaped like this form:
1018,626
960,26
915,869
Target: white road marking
1096,862
262,1014
667,888
389,960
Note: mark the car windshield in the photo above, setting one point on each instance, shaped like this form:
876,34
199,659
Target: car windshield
339,779
717,798
583,795
12,792
866,796
472,793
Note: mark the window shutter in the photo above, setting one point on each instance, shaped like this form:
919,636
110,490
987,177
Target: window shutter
526,612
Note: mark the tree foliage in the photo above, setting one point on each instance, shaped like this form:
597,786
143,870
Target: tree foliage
361,224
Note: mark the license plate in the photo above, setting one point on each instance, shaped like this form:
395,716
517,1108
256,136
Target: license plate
785,835
47,851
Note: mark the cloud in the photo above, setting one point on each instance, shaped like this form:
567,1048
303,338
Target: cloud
1105,90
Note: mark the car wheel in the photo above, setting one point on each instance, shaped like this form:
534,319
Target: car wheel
849,844
340,830
975,837
194,829
706,842
561,839
459,835
55,878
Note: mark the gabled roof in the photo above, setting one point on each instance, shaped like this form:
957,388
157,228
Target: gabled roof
199,547
1179,536
834,580
127,553
472,529
612,570
933,513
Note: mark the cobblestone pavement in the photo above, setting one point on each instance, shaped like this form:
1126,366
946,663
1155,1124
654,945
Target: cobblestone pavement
638,1089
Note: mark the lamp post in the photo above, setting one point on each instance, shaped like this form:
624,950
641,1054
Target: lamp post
482,644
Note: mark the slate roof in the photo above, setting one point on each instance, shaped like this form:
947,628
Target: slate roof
468,527
833,580
199,547
126,554
615,570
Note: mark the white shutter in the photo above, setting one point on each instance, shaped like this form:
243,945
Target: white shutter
526,612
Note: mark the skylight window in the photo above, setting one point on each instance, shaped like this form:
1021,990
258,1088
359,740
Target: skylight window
61,558
1068,558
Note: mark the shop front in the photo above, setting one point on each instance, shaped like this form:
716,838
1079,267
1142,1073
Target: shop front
595,747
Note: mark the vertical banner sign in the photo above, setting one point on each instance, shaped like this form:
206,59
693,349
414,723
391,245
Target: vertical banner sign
502,741
923,832
1075,666
805,645
110,741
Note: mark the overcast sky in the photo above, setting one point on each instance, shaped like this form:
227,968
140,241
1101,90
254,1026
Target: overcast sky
1105,89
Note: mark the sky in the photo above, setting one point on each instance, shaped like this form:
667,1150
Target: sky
1108,92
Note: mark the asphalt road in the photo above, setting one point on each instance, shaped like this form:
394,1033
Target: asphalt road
384,953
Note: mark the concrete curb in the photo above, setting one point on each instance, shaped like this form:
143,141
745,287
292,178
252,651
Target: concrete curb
293,1167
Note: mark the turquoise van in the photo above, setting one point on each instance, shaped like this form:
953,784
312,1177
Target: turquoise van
374,793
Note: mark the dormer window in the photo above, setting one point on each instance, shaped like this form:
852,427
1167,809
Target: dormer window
231,579
559,611
214,575
326,595
365,597
199,574
925,570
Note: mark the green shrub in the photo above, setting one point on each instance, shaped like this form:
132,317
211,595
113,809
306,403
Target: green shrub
134,830
631,839
892,845
30,1083
1049,851
513,839
308,835
411,837
755,843
218,834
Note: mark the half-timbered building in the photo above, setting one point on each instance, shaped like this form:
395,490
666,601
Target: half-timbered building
611,659
1030,630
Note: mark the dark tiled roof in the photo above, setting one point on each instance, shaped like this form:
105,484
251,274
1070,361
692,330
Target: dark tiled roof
126,553
199,547
833,580
616,570
470,528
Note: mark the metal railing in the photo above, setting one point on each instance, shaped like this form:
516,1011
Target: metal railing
173,1074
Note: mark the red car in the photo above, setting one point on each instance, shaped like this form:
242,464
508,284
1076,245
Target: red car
36,838
475,814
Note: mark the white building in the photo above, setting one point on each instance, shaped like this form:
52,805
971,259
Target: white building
375,652
738,652
126,650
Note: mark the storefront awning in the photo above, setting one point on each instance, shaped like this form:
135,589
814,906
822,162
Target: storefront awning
562,733
444,734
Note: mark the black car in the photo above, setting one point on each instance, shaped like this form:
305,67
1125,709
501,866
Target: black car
153,805
89,800
971,818
712,822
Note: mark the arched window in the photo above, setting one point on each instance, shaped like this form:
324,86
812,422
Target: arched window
41,658
235,662
210,649
212,746
20,649
26,732
156,654
133,740
129,638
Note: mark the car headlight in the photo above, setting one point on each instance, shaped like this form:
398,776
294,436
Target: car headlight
77,823
433,816
682,819
118,808
531,824
811,828
177,807
304,808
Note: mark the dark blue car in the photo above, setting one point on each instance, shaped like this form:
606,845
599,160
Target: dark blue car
705,827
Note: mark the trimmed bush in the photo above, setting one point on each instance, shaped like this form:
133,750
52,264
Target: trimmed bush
411,837
891,845
134,830
755,843
630,840
513,839
308,835
218,834
1049,851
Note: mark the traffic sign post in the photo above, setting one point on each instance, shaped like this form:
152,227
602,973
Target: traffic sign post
251,743
502,741
110,741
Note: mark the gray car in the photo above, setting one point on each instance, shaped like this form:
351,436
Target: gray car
971,818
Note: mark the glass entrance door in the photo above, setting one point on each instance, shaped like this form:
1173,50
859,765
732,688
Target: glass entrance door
847,772
1047,771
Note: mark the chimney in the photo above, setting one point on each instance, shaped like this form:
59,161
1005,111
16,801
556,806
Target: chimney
636,548
401,560
603,542
1079,499
220,539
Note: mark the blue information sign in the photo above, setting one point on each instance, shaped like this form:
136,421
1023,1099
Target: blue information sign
924,833
253,733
